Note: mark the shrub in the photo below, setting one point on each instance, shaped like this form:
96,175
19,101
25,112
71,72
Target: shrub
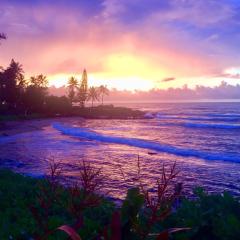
36,208
57,105
210,216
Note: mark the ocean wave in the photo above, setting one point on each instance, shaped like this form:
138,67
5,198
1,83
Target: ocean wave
141,143
224,115
218,126
203,125
200,118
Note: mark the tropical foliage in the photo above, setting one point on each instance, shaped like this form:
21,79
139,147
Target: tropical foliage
210,216
79,209
36,208
72,87
103,91
31,208
93,94
35,93
12,85
19,95
39,81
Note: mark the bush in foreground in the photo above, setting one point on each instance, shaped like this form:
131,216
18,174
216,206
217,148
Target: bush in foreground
35,208
210,216
32,208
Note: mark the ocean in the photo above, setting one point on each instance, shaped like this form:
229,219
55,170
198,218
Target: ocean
202,138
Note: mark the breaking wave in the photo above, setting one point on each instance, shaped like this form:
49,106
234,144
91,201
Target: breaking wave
227,118
141,143
203,125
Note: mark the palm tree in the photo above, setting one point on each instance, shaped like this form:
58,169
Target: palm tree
103,90
93,94
72,86
39,81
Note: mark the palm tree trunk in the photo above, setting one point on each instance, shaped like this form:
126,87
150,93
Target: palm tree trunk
102,99
92,103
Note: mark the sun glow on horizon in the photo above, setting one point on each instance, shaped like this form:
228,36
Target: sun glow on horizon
120,83
58,80
123,71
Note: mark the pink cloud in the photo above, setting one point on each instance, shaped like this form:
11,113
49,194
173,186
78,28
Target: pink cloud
58,40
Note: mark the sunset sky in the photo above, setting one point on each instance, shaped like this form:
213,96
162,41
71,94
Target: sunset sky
125,44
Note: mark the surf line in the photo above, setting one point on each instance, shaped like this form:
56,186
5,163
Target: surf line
141,143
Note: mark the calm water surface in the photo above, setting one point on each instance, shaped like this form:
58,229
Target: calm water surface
203,138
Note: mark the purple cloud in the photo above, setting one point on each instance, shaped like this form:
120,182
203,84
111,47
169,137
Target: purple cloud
186,38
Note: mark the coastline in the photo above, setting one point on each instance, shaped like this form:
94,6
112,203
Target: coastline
9,128
14,124
13,127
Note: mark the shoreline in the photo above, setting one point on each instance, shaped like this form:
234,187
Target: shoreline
10,128
14,124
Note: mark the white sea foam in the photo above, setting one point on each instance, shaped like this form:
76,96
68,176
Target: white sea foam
140,143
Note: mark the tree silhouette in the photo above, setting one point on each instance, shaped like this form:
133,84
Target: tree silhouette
11,84
39,81
83,89
103,91
57,105
35,94
93,94
72,86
